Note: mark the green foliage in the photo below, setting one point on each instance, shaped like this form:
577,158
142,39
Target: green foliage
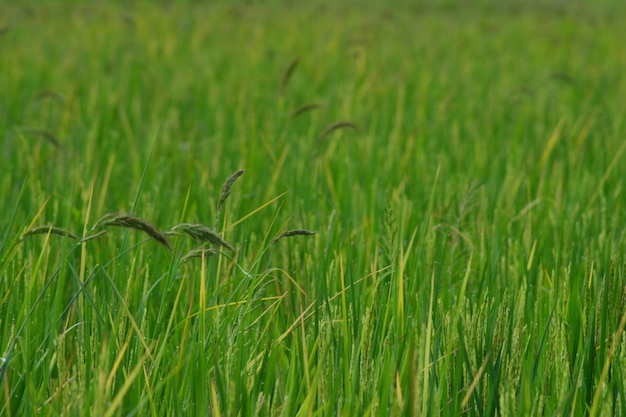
462,169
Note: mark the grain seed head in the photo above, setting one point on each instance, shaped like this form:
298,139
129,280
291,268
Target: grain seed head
289,233
203,234
53,230
337,125
304,108
226,189
132,222
45,134
289,72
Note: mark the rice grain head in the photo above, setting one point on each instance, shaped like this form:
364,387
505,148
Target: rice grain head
203,234
225,193
51,94
304,108
51,229
45,134
337,125
289,72
132,222
289,233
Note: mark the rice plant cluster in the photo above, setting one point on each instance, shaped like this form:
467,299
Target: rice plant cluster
312,209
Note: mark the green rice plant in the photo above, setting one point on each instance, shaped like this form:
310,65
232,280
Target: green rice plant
468,256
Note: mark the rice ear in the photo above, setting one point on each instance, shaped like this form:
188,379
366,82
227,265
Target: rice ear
51,229
337,125
225,193
304,108
132,222
45,134
289,233
203,234
289,72
51,94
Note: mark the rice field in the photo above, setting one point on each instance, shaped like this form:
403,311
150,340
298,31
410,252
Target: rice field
312,209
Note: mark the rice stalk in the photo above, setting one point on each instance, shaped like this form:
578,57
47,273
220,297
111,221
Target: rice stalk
289,233
203,234
132,222
53,230
304,108
94,236
337,125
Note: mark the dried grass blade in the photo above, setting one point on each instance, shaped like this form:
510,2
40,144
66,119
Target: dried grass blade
132,222
203,234
289,233
337,125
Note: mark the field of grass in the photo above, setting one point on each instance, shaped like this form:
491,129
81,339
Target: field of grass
462,168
